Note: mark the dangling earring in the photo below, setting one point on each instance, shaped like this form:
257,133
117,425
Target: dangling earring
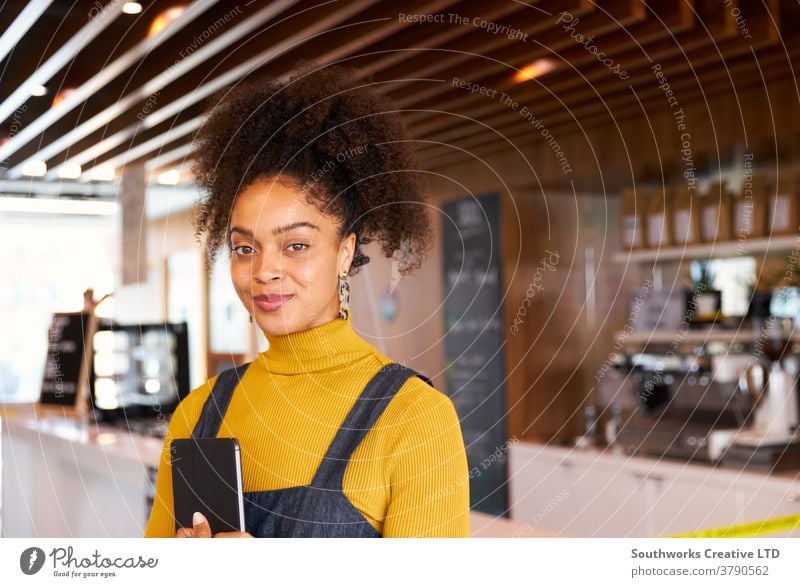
251,318
344,296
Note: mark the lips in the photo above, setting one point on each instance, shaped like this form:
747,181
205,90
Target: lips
271,302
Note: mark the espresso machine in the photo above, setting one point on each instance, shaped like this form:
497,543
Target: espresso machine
675,406
728,408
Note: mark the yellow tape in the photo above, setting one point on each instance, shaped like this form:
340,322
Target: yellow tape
770,526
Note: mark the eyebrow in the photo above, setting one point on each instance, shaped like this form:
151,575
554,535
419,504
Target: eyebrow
244,231
292,226
275,231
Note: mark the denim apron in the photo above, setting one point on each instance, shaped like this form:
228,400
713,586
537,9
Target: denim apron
321,509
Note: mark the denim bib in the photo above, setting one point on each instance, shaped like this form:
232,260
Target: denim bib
321,509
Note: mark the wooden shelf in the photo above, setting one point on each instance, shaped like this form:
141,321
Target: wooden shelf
776,244
690,336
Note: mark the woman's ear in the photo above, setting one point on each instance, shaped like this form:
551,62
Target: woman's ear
347,250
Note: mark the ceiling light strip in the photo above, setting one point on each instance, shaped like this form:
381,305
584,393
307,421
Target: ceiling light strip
124,104
57,206
24,21
231,76
95,83
66,53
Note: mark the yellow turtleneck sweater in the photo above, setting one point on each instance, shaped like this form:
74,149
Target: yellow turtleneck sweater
408,477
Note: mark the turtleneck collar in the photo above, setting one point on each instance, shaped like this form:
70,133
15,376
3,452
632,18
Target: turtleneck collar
326,346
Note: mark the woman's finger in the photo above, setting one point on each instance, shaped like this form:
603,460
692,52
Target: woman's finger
233,535
201,529
185,533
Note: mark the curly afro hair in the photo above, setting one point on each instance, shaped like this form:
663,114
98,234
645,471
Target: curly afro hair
326,131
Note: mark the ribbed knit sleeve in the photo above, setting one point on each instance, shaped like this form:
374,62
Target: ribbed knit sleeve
429,477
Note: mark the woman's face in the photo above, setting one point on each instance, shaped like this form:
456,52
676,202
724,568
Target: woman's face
286,257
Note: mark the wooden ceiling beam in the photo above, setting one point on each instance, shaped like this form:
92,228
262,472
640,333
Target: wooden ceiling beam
690,51
142,151
444,154
44,72
504,65
611,112
341,40
700,44
395,29
24,21
716,82
139,95
474,106
341,45
259,61
616,109
476,42
167,159
381,56
684,64
714,17
102,78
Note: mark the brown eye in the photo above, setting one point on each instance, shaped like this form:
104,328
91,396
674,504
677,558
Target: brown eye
297,247
242,250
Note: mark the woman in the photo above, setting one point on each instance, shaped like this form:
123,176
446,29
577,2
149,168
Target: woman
336,439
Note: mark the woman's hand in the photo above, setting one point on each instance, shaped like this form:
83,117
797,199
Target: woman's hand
201,529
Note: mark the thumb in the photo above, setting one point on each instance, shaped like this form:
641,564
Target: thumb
201,527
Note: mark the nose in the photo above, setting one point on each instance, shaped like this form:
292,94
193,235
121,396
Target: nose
266,267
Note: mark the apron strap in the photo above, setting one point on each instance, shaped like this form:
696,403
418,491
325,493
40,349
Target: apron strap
217,402
362,416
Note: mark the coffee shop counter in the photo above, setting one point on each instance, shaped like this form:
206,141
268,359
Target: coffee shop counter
604,493
67,477
63,477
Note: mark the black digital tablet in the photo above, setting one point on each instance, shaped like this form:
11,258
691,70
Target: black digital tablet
207,478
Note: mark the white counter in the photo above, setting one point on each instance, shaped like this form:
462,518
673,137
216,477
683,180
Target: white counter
60,478
594,493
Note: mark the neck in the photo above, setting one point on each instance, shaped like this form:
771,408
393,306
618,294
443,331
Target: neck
326,346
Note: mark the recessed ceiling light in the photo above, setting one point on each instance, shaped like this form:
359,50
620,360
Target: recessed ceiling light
131,8
536,69
38,90
69,171
61,96
34,168
171,177
164,19
57,206
103,172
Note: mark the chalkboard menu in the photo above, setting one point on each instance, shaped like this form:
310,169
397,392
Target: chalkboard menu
65,381
473,343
